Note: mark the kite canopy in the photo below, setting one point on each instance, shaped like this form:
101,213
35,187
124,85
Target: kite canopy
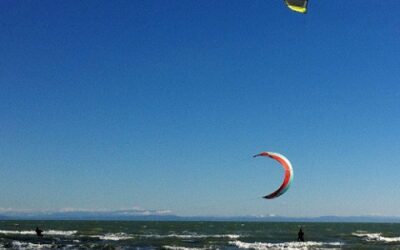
297,5
288,173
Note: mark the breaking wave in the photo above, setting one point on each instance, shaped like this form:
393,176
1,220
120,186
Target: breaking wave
114,236
375,237
124,236
285,245
28,245
190,236
49,232
183,248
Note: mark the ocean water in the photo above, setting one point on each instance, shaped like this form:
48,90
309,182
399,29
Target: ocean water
196,235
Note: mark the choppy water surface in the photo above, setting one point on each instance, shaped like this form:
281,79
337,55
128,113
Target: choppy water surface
196,235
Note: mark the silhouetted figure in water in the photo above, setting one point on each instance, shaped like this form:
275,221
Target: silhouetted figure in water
300,235
39,232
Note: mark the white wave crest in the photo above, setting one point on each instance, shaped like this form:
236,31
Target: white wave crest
190,236
183,248
17,232
375,237
283,245
114,236
57,232
49,232
28,245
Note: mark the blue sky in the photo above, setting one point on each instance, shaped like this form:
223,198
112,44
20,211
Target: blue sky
161,104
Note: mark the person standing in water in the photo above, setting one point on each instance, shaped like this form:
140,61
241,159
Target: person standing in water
300,235
39,232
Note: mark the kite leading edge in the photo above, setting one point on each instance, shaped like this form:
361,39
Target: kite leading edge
288,173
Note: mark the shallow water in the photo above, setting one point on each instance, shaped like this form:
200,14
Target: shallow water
196,235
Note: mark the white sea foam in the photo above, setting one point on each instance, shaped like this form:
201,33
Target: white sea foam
190,236
16,232
285,245
28,245
114,236
375,237
49,232
57,232
183,248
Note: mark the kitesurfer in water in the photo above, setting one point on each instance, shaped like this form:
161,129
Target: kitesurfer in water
300,235
39,232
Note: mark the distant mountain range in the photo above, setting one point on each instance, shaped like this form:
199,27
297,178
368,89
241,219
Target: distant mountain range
129,215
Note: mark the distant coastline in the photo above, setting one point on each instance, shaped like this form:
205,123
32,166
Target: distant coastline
123,216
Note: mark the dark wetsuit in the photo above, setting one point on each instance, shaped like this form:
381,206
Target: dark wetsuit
300,235
39,232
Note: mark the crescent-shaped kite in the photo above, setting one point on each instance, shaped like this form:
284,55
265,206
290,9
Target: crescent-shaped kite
288,173
297,5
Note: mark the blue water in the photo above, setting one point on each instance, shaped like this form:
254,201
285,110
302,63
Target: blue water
196,235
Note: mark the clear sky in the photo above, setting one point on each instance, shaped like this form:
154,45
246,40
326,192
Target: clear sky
161,104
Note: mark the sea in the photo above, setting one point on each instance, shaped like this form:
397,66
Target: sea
196,235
